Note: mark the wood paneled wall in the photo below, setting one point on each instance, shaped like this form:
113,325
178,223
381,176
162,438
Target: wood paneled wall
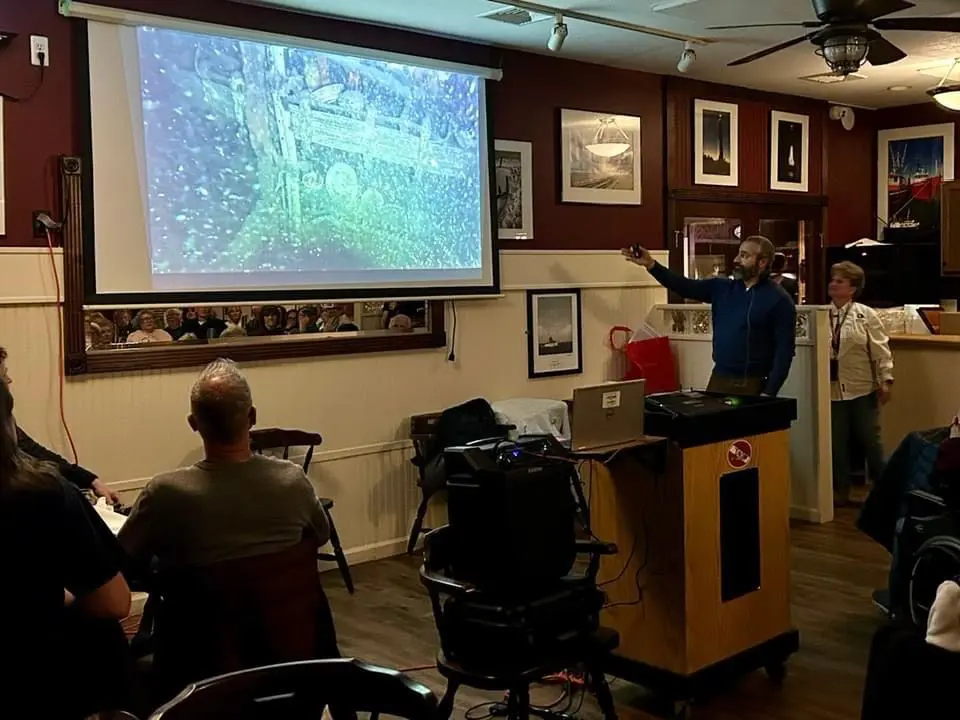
754,110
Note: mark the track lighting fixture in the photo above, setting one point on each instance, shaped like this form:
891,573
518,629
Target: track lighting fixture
557,35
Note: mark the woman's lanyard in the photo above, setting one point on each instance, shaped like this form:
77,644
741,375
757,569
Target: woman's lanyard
836,330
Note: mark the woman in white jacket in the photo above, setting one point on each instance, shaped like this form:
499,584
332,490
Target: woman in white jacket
861,375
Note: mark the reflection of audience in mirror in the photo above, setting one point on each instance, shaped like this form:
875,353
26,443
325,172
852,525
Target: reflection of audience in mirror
100,331
292,323
415,312
255,323
272,320
346,323
233,332
121,320
148,331
203,323
173,323
234,317
307,319
401,322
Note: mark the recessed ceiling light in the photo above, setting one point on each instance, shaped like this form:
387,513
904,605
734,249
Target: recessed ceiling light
899,88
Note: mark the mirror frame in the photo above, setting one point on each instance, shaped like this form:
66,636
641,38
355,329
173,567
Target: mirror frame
77,361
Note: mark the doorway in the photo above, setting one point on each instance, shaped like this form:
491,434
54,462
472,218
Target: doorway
705,237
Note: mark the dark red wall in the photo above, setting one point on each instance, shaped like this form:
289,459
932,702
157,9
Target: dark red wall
850,161
754,110
526,106
35,132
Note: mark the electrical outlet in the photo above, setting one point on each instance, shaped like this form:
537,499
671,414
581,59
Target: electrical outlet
39,45
39,231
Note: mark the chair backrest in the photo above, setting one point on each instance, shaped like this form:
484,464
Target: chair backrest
302,690
241,614
278,438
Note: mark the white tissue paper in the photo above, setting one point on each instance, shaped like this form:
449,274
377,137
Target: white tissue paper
111,517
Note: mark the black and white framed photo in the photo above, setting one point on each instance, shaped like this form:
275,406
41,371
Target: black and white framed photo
600,158
554,335
789,151
513,164
715,143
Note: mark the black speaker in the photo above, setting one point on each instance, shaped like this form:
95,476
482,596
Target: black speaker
512,518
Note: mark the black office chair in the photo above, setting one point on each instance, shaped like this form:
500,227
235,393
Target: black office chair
301,691
276,439
495,641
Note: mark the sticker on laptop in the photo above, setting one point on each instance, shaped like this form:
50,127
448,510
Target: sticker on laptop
739,454
610,400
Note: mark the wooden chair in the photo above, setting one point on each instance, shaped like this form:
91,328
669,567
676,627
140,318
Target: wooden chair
276,439
423,435
302,690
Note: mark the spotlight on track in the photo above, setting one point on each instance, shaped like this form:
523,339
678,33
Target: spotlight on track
687,58
557,35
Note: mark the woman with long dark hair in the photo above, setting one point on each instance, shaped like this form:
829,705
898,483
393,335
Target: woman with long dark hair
61,643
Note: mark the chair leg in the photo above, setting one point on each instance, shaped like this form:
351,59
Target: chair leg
518,703
338,554
418,524
445,708
601,690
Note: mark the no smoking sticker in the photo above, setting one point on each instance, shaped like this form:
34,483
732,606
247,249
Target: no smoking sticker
740,454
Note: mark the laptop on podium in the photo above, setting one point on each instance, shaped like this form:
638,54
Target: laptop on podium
607,415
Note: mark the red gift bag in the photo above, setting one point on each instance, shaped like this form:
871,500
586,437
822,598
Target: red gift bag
649,358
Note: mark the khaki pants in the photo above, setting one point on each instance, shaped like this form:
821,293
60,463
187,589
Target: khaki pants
735,385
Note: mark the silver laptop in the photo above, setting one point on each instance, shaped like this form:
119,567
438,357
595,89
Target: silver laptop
607,415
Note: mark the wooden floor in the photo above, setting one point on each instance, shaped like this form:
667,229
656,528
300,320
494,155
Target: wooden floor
835,568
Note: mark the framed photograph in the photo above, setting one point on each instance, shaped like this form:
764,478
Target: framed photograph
600,158
513,164
715,143
912,165
789,151
554,336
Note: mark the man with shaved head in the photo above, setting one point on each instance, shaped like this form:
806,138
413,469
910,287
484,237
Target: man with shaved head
233,503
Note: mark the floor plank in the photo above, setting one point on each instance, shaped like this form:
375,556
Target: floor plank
834,571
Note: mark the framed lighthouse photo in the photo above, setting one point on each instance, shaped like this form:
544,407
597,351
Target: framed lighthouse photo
716,145
789,152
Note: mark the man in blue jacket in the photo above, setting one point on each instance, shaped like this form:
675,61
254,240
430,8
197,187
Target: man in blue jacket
754,320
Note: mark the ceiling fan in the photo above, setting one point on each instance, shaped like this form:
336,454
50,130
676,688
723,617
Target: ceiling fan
846,36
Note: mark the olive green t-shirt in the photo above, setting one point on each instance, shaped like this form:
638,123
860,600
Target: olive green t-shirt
211,512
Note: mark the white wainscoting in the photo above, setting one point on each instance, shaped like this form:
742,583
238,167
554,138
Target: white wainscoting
811,490
130,426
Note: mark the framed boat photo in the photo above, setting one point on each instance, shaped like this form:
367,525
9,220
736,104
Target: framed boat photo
554,335
912,165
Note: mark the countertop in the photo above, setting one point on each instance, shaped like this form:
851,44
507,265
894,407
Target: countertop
936,341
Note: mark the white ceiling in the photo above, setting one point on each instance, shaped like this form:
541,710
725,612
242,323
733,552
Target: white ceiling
623,48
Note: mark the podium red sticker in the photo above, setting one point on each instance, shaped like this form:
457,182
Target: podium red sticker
740,454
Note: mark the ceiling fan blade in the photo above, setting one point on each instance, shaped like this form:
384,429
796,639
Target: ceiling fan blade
872,9
771,50
942,24
806,24
884,52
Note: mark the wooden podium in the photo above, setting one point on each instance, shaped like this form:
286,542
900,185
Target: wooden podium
700,586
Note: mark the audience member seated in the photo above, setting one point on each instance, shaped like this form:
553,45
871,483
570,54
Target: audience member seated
79,476
307,320
64,652
173,323
292,324
204,323
235,317
147,331
238,581
415,311
123,325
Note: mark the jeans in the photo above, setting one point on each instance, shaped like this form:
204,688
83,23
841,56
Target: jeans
856,421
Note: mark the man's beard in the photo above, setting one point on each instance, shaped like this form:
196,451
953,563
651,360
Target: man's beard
743,273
